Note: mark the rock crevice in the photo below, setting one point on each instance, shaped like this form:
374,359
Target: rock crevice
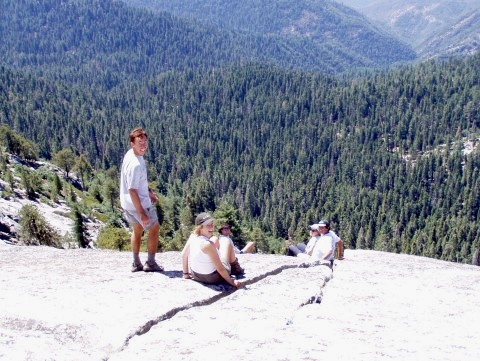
226,290
85,304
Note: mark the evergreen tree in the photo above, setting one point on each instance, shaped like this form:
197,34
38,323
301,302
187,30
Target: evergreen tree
84,169
65,159
79,228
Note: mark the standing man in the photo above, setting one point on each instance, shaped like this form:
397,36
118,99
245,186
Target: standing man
137,199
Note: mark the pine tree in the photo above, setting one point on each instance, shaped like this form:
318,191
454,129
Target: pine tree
65,159
79,228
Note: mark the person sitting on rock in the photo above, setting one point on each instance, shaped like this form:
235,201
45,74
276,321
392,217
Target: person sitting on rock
202,261
226,235
318,248
224,242
337,243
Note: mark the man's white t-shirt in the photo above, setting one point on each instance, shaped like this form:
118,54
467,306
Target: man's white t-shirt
134,176
335,240
322,246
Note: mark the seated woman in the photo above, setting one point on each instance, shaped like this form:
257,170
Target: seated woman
202,261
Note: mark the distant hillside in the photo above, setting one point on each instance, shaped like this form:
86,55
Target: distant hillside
433,28
90,39
104,38
463,38
317,23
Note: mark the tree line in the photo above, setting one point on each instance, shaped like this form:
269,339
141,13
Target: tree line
381,153
106,42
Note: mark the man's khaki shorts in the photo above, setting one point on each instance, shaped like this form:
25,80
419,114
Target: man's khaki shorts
133,217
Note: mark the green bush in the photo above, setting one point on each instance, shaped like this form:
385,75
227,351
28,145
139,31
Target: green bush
35,230
114,238
17,144
175,243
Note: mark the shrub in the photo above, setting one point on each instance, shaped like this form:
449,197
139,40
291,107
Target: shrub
17,144
35,230
114,238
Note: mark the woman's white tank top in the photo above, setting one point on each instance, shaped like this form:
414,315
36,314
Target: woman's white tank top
200,262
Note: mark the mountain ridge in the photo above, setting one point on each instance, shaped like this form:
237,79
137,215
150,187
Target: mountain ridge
462,37
427,25
324,22
115,41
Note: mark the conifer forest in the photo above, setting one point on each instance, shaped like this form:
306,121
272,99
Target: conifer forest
388,154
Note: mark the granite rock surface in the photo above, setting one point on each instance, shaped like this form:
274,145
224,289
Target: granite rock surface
85,304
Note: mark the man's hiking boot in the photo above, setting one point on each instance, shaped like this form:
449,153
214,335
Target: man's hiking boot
137,267
236,270
152,267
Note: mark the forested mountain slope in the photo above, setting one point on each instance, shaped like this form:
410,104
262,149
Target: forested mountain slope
381,155
461,38
97,39
317,23
92,40
433,28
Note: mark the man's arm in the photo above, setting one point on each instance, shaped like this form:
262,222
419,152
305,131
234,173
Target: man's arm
152,195
310,245
327,255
